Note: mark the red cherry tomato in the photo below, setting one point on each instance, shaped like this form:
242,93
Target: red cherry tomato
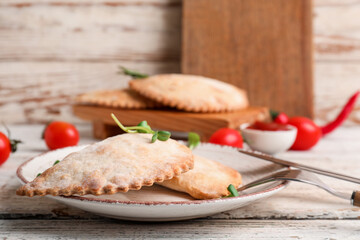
5,148
60,135
308,133
227,136
282,118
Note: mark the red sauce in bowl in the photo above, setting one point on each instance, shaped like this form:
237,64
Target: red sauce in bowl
269,126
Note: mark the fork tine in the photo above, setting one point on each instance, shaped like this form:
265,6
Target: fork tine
298,176
269,178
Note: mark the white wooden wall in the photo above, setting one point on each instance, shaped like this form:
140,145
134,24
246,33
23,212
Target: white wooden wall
52,50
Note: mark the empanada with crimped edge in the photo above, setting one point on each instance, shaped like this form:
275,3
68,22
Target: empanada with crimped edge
191,93
207,180
117,164
117,98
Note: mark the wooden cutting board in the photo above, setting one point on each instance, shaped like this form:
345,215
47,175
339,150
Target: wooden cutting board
263,46
202,123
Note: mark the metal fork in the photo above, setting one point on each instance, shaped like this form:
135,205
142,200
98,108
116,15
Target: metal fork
304,177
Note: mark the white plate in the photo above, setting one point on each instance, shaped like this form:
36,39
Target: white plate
160,204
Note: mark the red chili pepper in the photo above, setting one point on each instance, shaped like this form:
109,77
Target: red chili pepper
342,115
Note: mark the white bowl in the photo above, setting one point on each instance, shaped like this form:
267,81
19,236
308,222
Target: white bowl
269,142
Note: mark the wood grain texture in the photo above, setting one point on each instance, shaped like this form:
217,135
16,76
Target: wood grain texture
336,83
337,31
205,124
52,51
90,32
264,47
48,46
338,151
41,92
195,229
298,212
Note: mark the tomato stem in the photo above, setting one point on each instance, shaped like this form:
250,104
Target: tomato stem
13,142
273,114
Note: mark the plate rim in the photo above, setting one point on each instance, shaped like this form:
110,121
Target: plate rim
281,184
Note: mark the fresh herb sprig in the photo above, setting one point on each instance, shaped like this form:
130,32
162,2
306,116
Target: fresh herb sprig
132,73
193,140
143,127
233,191
56,162
143,124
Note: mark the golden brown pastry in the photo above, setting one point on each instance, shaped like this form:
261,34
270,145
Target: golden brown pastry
118,98
117,164
191,93
208,179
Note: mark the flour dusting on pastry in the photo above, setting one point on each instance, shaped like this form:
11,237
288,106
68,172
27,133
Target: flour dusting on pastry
118,98
117,164
191,93
208,179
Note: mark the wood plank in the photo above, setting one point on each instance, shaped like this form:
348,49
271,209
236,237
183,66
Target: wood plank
43,91
334,3
205,124
91,32
337,49
12,206
29,3
336,38
40,91
337,33
26,81
335,84
264,47
199,229
338,151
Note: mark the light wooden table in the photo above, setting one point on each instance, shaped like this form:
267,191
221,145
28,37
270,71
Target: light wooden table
299,212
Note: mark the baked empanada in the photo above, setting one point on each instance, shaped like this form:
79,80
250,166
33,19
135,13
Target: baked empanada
208,179
120,98
117,164
191,93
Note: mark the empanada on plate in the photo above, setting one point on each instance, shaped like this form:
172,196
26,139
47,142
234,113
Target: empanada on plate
117,164
208,179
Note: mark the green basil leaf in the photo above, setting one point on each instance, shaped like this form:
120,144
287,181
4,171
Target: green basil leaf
145,125
163,135
154,137
233,191
193,140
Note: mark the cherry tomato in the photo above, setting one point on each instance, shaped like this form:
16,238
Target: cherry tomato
227,136
60,135
281,118
5,148
308,133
